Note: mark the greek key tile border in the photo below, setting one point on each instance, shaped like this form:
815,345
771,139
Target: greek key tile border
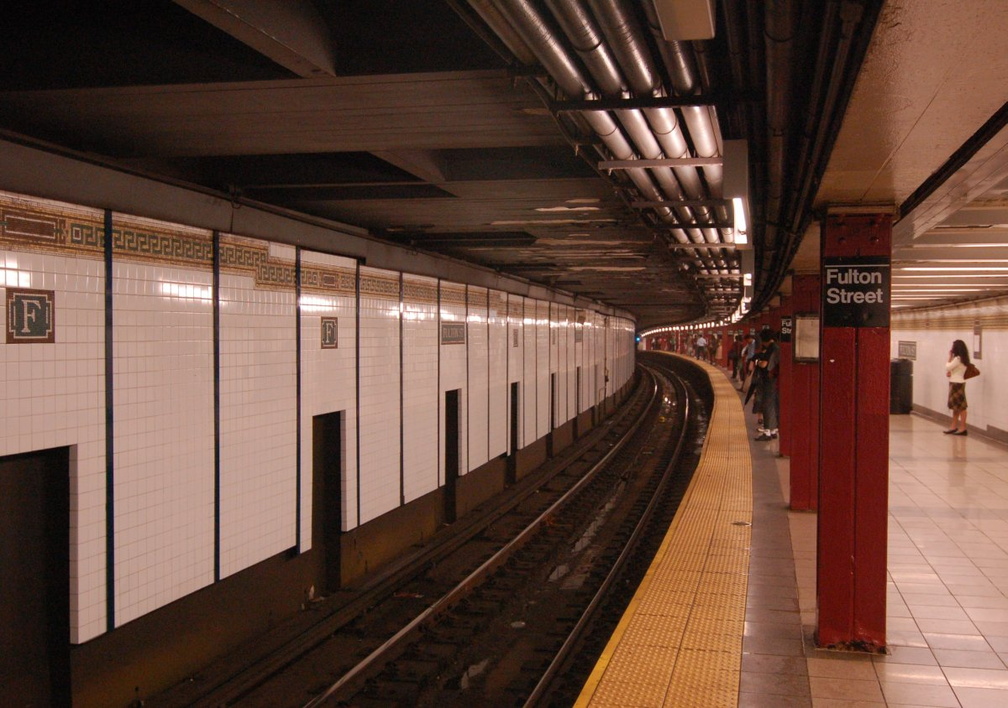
453,295
419,292
383,287
251,257
319,279
48,228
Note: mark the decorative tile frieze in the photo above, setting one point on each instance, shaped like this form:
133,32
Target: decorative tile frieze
452,295
419,292
476,296
320,279
251,257
383,287
46,226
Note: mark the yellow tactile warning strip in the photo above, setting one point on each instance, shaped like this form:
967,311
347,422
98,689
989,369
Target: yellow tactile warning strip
679,642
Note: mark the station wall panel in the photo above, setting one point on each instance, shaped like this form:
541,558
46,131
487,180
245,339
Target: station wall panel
372,345
541,368
328,373
54,393
516,361
454,364
258,399
498,349
163,398
379,404
420,386
478,376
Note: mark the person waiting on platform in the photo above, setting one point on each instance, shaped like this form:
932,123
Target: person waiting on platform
958,360
765,383
735,358
701,347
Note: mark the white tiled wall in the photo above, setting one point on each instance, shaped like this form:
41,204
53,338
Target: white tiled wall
933,332
478,376
163,468
328,377
258,416
454,364
163,390
498,382
530,383
54,394
516,361
542,364
420,386
380,463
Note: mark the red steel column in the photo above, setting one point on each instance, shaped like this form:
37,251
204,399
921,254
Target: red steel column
804,465
854,432
785,414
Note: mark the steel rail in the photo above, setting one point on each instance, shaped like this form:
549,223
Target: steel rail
574,637
498,558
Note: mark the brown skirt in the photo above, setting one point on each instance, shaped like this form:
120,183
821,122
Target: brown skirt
957,396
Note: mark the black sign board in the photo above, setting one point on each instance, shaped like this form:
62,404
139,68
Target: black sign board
453,332
786,327
855,291
907,350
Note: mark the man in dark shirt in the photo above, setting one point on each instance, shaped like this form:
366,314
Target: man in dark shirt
765,377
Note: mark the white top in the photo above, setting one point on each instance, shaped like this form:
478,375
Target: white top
957,369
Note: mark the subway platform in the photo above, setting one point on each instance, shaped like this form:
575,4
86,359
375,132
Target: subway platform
689,638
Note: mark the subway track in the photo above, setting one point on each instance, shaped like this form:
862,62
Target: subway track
512,606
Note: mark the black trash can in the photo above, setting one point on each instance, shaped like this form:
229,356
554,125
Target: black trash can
900,386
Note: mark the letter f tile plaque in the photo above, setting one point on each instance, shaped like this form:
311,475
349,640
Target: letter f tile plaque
31,316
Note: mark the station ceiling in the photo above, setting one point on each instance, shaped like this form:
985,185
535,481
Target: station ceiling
573,143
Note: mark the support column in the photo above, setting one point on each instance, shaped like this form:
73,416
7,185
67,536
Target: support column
804,449
854,431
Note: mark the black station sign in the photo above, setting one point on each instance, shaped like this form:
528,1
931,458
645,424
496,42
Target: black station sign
786,328
453,332
855,292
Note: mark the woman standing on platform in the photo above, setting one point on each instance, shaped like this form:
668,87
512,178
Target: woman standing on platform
958,360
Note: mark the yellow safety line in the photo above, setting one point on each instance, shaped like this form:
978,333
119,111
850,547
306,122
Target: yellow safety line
679,643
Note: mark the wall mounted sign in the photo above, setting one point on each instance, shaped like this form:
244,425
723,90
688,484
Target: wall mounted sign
330,333
786,327
907,350
855,291
453,332
31,316
514,338
806,338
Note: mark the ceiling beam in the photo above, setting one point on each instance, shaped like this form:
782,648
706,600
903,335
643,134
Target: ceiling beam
291,33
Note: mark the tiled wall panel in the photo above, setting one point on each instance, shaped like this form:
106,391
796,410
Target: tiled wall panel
478,376
257,402
543,386
567,362
530,383
587,353
328,375
498,380
420,386
516,361
932,331
54,393
163,390
380,463
453,367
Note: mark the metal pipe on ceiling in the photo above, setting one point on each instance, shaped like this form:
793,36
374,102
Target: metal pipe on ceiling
654,133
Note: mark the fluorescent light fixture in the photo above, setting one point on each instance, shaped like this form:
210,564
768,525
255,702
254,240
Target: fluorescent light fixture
741,225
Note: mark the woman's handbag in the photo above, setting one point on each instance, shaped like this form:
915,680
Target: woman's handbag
971,372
